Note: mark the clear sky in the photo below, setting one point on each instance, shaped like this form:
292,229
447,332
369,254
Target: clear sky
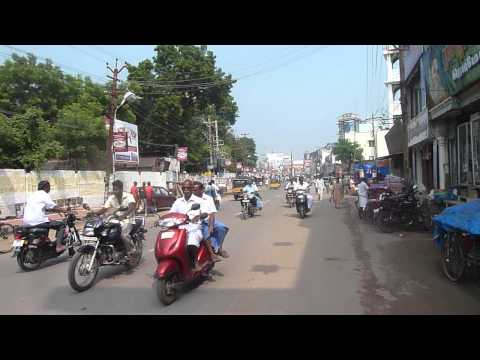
288,96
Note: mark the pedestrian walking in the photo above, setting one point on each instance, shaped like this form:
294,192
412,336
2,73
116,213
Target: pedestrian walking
141,195
338,193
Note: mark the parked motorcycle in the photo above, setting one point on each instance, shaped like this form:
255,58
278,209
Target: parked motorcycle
174,269
401,210
32,246
249,205
301,202
103,246
290,197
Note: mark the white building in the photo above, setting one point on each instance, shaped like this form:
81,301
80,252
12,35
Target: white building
275,160
391,54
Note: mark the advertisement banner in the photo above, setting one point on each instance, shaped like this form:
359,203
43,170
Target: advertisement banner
417,128
125,142
449,69
182,154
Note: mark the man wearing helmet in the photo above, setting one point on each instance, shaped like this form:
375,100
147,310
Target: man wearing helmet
34,213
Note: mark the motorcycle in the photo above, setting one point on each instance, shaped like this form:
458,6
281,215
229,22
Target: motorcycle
290,197
32,247
103,246
249,205
174,270
405,210
301,202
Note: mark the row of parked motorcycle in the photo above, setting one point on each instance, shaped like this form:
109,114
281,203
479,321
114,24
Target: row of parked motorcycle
456,229
410,209
100,245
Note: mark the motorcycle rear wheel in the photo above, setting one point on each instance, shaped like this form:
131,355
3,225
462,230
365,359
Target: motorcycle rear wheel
301,212
25,257
453,258
165,291
244,214
383,222
79,262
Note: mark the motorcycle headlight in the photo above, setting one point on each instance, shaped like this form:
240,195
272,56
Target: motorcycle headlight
88,231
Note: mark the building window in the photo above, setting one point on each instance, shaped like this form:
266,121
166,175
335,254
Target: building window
464,149
371,143
476,150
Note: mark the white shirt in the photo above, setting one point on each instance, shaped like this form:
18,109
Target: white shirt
34,212
250,188
207,205
290,184
127,199
182,206
298,186
362,189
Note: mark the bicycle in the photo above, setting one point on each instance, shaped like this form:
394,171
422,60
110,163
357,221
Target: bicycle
6,230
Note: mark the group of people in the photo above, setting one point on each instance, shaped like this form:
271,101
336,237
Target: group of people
143,195
300,185
211,230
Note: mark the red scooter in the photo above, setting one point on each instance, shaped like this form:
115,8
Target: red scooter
174,269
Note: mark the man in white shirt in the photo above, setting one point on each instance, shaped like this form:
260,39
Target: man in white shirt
320,185
194,229
122,199
362,194
212,229
301,185
34,213
251,188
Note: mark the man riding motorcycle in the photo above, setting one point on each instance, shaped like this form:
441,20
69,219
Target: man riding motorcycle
121,199
301,185
34,213
251,188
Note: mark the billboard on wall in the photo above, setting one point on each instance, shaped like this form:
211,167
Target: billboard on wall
449,69
182,154
125,142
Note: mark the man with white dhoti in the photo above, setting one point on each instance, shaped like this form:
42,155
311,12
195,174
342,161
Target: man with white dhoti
362,194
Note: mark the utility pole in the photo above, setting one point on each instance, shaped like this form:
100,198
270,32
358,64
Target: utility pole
291,163
110,164
209,138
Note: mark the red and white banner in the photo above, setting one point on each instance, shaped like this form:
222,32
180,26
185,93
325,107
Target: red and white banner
182,154
125,142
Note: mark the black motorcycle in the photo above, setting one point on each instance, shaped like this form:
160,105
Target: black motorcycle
301,202
249,205
32,247
103,246
290,197
402,210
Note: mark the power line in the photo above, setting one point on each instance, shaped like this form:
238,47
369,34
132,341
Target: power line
56,63
109,54
87,53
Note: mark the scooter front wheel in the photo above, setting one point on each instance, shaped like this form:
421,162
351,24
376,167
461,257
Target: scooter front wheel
166,291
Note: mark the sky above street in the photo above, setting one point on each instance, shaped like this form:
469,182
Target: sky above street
289,97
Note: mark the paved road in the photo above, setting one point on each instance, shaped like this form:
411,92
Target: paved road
327,263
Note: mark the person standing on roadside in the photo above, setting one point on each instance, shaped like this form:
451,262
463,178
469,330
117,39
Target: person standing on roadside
149,196
134,192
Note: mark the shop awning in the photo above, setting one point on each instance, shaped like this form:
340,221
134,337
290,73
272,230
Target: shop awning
394,139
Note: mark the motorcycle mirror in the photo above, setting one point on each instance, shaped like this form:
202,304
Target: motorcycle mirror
195,207
85,206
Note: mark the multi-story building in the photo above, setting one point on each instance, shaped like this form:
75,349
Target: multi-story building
441,108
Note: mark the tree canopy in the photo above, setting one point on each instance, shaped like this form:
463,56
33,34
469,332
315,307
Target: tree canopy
347,152
53,115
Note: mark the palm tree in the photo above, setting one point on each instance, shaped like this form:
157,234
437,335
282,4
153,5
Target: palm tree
347,152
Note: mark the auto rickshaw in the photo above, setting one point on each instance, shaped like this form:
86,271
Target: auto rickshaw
275,183
237,187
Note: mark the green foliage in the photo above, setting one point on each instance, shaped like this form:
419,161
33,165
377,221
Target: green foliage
347,152
55,115
29,140
174,115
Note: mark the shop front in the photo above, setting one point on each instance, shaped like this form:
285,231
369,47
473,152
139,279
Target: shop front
453,89
420,148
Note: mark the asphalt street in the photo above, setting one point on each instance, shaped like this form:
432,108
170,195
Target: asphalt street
328,263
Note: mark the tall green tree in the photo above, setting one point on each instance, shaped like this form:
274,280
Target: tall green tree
347,152
180,87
